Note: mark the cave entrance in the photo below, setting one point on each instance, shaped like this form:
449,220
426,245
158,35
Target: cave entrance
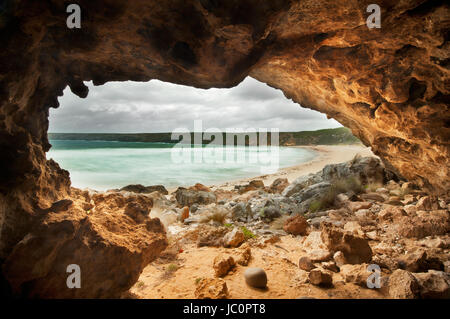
124,133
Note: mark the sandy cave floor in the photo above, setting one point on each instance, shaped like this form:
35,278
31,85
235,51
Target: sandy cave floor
159,279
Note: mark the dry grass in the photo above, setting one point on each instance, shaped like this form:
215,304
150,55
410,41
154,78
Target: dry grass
350,184
279,222
217,214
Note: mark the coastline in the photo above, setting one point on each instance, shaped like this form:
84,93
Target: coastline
326,154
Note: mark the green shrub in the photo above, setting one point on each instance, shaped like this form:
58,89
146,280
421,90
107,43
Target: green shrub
247,233
314,206
172,268
350,184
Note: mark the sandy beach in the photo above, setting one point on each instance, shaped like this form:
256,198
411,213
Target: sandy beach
326,154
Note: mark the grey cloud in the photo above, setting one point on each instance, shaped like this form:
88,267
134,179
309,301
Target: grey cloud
155,106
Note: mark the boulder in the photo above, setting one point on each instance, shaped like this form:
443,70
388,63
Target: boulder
200,187
431,223
427,203
184,213
137,212
211,236
251,186
418,261
242,212
320,277
234,238
377,197
391,213
339,259
364,169
223,264
355,206
434,284
296,225
403,285
311,195
188,197
243,255
255,277
37,266
278,185
315,248
141,189
330,265
270,213
305,263
300,183
356,274
211,288
356,249
354,227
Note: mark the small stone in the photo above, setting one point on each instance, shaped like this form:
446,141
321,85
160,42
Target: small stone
434,284
315,248
356,249
255,277
392,185
408,199
330,265
339,258
244,255
184,213
305,264
378,197
373,235
414,261
223,264
427,203
234,238
382,190
61,205
211,288
296,225
355,206
354,227
403,285
356,274
279,185
320,277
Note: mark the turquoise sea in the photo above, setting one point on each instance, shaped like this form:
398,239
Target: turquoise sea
103,165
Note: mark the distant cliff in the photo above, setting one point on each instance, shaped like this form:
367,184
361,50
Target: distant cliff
340,135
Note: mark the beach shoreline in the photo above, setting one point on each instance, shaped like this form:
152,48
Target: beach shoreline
326,154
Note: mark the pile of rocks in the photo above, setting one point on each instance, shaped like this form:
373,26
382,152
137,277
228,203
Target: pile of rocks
374,224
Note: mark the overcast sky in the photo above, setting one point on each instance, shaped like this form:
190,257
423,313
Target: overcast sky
155,106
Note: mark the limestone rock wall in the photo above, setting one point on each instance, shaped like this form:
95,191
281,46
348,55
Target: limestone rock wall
390,86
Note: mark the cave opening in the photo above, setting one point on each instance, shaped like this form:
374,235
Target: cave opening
387,85
123,133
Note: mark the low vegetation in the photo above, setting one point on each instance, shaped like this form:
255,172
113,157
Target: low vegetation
247,233
327,200
341,135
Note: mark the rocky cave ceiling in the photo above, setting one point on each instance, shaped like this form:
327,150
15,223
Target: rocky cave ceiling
390,85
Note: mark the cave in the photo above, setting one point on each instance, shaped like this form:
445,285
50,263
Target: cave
389,85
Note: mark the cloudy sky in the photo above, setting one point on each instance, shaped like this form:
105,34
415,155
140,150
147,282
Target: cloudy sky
155,106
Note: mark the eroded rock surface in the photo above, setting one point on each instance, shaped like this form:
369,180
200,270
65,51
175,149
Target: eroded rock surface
389,85
111,249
